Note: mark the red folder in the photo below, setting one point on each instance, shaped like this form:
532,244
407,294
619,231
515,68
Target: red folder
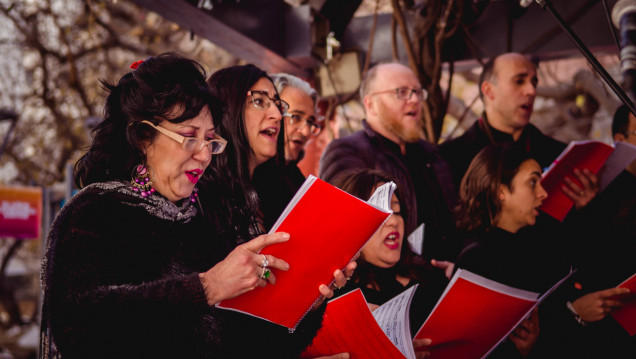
348,326
579,154
626,315
473,315
327,227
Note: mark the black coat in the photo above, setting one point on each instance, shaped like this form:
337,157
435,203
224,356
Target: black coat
460,151
121,281
424,179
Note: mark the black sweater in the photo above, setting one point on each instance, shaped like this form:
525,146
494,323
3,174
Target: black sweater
121,281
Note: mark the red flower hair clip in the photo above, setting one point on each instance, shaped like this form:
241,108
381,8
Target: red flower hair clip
136,64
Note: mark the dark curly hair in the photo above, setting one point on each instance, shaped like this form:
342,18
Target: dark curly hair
479,206
167,87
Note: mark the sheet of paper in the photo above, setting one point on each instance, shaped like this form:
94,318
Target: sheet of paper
624,154
416,239
348,326
381,198
393,318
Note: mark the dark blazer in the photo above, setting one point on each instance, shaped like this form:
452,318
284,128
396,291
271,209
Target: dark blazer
423,176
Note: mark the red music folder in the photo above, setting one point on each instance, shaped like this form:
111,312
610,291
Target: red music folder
327,227
474,315
349,327
589,155
626,315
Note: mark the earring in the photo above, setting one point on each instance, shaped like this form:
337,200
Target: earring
141,181
194,196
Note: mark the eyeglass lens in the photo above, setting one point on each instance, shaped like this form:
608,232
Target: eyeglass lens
197,144
299,122
262,101
405,93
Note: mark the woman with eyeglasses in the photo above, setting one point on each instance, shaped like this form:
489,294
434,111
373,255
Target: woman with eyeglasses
252,123
276,182
132,270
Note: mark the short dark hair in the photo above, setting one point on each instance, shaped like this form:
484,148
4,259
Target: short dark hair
479,205
620,123
167,87
487,74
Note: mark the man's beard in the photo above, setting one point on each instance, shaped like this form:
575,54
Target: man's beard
395,125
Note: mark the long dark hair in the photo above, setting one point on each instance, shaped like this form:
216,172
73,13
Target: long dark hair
479,205
361,183
167,87
230,187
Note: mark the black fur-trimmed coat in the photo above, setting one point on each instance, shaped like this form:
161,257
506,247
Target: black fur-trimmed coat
121,281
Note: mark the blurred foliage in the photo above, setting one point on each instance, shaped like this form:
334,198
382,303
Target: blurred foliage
54,54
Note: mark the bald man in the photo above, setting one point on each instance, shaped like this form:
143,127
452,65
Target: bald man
392,141
508,87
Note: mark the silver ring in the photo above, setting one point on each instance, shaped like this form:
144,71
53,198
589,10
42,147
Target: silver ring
265,262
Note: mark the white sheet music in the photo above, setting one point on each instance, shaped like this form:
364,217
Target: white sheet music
393,318
381,198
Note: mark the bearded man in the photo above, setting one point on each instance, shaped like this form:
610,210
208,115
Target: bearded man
392,141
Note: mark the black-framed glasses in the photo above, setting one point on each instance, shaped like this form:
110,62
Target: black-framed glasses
192,144
298,122
262,101
405,93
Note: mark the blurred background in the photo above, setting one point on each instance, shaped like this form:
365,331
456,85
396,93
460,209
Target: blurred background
55,52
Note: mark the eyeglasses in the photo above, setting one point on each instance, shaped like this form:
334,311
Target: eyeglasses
405,93
262,101
298,122
192,144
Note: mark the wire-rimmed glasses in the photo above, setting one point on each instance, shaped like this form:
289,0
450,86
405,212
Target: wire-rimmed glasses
405,93
262,101
297,122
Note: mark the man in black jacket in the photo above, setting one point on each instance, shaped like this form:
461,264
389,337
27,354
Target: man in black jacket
508,87
391,141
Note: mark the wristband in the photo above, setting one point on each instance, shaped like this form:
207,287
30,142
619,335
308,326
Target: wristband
577,317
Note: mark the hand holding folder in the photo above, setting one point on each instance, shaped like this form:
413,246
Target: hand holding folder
314,251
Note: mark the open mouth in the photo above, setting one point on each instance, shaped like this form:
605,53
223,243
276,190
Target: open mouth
392,240
193,175
270,132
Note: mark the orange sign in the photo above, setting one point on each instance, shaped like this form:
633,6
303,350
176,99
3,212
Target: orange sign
20,211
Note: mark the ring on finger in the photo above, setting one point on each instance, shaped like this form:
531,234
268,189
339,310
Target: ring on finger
265,262
265,273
